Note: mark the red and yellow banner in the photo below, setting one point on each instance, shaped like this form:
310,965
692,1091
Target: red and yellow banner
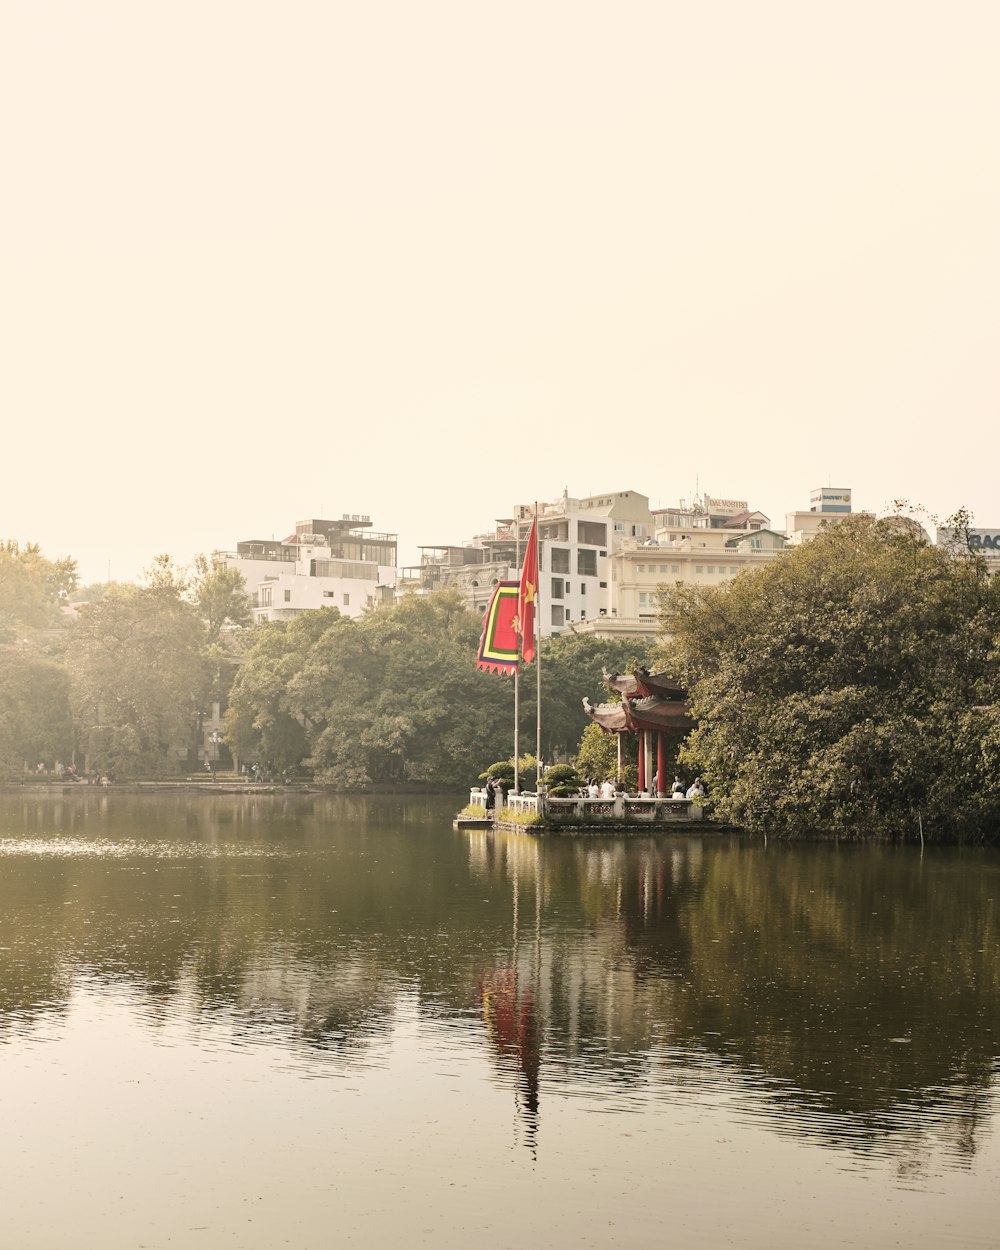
498,645
527,592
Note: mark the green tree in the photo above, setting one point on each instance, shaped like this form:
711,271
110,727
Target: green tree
36,722
259,724
597,754
220,594
139,674
31,588
851,684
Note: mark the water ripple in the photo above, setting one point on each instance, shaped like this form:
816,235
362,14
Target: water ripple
106,848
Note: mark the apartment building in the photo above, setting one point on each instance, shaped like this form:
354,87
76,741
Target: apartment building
576,540
704,543
827,506
324,563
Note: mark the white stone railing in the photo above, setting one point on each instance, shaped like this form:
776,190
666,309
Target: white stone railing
622,808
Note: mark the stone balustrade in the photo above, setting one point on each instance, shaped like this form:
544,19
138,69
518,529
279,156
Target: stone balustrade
621,809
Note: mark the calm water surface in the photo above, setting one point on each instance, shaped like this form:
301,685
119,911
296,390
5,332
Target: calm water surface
269,1021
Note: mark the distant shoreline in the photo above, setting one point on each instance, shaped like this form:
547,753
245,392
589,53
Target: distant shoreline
198,786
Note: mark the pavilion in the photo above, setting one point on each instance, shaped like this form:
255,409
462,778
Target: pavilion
651,707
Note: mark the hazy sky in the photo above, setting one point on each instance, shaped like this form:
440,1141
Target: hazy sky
424,259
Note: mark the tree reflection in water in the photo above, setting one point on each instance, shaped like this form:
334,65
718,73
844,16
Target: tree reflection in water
845,994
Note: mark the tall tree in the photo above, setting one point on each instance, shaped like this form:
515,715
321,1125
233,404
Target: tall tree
220,595
139,676
851,684
259,724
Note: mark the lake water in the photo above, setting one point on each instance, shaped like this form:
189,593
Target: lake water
311,1022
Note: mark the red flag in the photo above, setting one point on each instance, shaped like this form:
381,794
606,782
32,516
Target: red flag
526,595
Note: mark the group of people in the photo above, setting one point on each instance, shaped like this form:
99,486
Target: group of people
694,791
591,789
608,790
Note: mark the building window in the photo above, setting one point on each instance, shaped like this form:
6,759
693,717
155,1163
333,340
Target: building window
604,611
733,569
288,596
329,594
583,614
698,568
560,559
755,543
643,597
641,568
586,563
710,568
604,585
663,568
583,588
347,601
557,590
594,533
558,614
675,568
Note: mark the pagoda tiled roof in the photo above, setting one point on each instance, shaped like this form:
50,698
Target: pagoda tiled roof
646,700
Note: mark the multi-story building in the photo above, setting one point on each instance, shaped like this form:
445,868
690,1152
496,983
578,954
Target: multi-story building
827,506
704,543
468,569
323,564
981,542
576,540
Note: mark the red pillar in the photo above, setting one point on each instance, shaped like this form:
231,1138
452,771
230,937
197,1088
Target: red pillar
661,780
642,760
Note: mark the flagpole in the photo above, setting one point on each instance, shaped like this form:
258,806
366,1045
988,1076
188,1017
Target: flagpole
538,660
517,671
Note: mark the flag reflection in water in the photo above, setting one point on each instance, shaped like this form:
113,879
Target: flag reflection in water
508,1006
508,1011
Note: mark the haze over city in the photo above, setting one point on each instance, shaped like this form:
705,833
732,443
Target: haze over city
422,262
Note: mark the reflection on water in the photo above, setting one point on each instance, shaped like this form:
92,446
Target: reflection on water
840,997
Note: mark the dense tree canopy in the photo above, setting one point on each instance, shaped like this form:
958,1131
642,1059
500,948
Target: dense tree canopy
391,697
849,685
395,696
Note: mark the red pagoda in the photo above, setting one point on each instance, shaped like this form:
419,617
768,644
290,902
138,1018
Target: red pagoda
651,707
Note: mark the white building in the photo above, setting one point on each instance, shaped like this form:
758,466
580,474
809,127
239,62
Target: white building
576,540
325,563
981,542
827,506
